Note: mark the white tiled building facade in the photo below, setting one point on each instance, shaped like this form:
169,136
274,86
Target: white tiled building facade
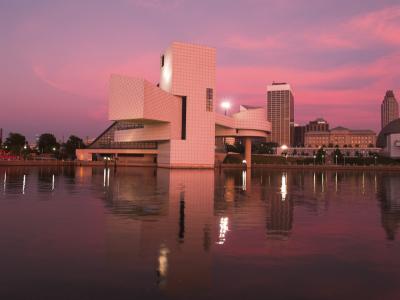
175,120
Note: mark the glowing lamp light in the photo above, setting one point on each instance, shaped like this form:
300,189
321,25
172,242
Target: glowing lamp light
284,147
226,105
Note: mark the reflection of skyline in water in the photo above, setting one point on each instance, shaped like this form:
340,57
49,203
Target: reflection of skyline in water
178,227
389,197
123,197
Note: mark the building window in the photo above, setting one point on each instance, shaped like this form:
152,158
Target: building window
209,99
126,125
162,61
183,127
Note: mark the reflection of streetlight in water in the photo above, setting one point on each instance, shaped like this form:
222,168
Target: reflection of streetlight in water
5,181
23,184
284,186
244,181
223,229
162,269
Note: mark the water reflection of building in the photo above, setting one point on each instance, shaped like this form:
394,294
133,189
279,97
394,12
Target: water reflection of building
279,207
238,189
175,224
390,204
167,231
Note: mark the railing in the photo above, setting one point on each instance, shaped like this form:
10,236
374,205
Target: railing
127,145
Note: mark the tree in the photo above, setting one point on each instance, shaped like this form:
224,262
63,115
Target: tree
47,143
15,143
337,156
235,148
264,148
72,144
320,156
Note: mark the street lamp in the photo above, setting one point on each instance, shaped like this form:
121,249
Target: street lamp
54,149
226,105
376,157
336,159
314,158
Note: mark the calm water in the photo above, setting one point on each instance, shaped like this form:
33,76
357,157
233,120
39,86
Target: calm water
90,233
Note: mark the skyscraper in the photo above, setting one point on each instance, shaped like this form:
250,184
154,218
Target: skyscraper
389,109
280,112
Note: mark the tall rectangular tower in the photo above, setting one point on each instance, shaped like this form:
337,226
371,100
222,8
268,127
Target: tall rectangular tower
280,112
188,71
389,109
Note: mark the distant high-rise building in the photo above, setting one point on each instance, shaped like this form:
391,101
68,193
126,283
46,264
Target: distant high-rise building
299,132
280,112
1,136
389,109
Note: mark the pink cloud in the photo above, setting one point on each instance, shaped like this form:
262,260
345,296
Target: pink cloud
157,4
99,113
246,43
332,41
383,24
91,81
358,31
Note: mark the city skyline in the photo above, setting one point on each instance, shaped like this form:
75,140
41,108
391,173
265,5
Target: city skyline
58,70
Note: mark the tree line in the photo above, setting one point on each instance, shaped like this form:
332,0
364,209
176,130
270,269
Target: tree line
17,144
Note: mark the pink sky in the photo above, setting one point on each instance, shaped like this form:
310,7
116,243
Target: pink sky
56,56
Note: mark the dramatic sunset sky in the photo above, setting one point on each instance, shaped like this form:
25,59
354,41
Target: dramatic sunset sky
56,55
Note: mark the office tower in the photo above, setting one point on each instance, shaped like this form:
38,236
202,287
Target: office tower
299,132
389,109
280,113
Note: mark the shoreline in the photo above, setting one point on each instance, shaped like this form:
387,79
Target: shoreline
33,163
